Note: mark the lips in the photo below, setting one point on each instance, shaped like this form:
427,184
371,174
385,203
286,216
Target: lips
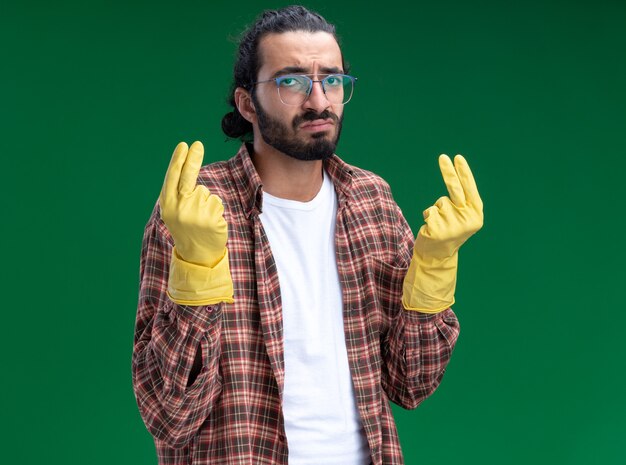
318,125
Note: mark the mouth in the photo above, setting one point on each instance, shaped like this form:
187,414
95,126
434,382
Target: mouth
318,125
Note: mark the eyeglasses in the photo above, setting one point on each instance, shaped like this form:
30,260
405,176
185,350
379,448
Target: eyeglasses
294,89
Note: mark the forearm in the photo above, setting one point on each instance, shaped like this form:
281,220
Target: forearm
173,398
416,354
416,346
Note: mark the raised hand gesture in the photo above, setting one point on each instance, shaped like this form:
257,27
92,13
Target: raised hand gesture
193,216
430,281
451,220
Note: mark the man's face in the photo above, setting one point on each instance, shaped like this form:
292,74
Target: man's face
309,131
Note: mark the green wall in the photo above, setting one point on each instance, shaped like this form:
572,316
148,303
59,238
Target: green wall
95,95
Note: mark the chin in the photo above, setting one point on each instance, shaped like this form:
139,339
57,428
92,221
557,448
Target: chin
321,134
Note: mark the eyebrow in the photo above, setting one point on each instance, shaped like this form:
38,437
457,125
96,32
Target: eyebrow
301,70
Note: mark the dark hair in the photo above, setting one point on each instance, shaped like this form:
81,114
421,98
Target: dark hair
247,65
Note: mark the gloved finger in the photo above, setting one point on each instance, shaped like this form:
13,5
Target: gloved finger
429,211
441,201
451,178
202,191
170,185
216,204
191,168
467,180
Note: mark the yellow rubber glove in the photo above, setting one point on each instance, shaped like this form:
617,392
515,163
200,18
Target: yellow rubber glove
199,270
431,278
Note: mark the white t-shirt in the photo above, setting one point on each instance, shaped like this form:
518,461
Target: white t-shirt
322,422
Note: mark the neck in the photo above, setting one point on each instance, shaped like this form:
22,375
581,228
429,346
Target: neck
284,176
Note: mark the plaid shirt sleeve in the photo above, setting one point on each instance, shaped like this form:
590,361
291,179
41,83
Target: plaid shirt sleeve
167,336
417,346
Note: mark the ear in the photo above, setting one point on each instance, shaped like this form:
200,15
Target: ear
245,105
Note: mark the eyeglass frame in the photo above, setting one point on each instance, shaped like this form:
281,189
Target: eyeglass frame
278,80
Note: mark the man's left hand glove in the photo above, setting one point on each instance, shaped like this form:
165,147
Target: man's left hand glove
431,279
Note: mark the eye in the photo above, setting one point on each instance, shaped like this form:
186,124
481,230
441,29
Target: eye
294,83
334,81
287,81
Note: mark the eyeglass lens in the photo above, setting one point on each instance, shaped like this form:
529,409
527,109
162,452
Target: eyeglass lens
294,89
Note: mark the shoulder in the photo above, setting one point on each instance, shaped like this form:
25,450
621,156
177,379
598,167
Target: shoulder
227,178
375,213
367,184
370,194
366,178
216,176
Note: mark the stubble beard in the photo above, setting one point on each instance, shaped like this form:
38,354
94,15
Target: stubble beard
276,134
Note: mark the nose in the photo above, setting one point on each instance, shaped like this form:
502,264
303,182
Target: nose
317,98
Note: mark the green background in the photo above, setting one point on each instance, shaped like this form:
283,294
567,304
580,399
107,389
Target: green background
95,95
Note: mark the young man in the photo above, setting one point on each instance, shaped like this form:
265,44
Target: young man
284,301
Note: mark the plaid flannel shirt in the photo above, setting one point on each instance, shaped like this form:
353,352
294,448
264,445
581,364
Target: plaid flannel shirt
231,413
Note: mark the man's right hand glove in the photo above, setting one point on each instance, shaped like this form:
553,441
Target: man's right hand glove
199,269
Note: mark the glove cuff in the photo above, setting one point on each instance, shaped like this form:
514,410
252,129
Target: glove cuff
429,285
192,284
